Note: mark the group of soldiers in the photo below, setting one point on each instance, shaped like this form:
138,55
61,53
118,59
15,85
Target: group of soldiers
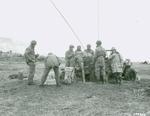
91,65
51,62
88,65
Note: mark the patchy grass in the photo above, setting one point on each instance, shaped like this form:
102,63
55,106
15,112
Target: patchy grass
78,99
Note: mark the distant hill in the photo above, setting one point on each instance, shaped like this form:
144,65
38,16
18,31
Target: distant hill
7,44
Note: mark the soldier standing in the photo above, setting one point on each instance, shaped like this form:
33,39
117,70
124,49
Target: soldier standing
116,65
31,57
69,57
89,63
79,63
51,62
99,59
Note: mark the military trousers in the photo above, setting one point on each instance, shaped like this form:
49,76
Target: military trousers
46,72
100,72
31,72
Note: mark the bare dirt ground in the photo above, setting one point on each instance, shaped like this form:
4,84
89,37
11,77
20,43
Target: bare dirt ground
78,99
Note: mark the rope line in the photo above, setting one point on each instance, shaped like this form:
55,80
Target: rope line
66,21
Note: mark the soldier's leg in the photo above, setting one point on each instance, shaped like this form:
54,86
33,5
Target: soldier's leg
115,77
104,74
89,76
93,74
44,76
31,73
97,72
86,77
92,77
83,73
120,78
57,78
101,74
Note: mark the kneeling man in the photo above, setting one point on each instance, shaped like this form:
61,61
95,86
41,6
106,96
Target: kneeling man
51,62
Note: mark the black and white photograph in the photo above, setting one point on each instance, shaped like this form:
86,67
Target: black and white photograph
74,58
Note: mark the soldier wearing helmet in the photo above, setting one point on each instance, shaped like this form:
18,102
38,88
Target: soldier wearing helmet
31,57
116,62
79,64
99,59
69,57
89,63
98,42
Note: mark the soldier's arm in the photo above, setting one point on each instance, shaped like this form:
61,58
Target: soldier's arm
66,55
95,56
37,55
92,52
105,54
121,60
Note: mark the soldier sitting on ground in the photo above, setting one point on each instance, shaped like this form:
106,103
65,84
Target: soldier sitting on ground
128,72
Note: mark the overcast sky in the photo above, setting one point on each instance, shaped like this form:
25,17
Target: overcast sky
124,24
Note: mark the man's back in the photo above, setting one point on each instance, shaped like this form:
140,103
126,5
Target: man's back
52,61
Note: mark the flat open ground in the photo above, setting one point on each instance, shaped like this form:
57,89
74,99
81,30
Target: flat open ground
89,99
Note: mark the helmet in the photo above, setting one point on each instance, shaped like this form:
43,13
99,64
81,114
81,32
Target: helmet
79,46
98,42
33,42
71,46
